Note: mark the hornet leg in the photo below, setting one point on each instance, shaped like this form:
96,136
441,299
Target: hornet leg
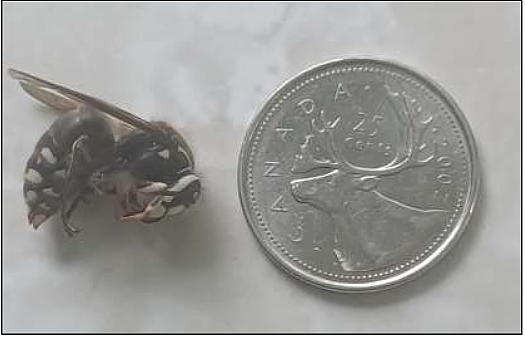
79,158
66,215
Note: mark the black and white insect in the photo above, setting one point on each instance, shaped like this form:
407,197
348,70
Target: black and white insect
96,148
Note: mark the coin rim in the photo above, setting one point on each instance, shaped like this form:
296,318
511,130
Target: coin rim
419,268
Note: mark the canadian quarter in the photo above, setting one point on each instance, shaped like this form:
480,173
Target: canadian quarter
358,175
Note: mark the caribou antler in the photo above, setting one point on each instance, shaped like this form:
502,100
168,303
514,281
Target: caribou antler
323,137
316,151
414,146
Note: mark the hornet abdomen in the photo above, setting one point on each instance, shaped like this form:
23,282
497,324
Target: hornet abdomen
48,166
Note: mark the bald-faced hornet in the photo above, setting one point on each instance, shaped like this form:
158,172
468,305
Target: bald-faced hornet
97,148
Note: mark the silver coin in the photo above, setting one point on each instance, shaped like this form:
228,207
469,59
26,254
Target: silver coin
358,174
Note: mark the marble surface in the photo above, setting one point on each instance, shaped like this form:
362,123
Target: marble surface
206,68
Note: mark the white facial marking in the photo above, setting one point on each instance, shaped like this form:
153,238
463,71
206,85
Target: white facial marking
30,196
183,183
181,149
61,173
164,154
157,211
50,192
183,170
176,210
33,176
48,155
153,187
195,195
168,198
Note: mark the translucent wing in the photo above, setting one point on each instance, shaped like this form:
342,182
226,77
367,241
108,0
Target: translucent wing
65,99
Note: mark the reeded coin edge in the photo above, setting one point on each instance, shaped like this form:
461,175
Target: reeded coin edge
396,279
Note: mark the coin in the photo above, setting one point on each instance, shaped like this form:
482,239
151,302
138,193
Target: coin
358,175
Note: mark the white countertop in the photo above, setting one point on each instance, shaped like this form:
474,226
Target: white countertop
206,68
